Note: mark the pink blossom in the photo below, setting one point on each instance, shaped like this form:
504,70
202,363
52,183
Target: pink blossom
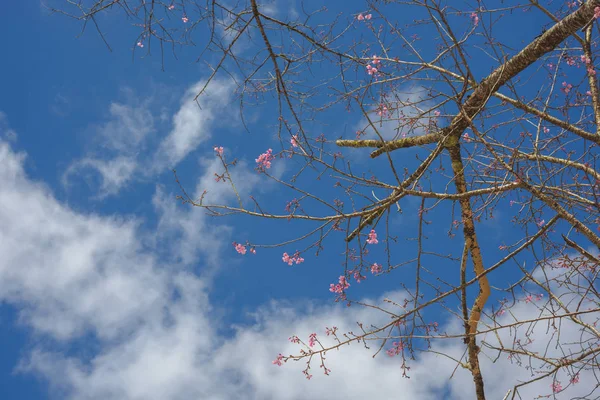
396,349
278,360
264,160
556,386
359,277
382,111
312,339
219,150
475,18
330,331
575,379
372,237
240,248
566,87
528,298
436,113
360,17
294,259
184,19
500,312
294,141
294,339
371,70
340,287
376,60
253,250
376,268
368,17
467,138
171,7
140,44
546,130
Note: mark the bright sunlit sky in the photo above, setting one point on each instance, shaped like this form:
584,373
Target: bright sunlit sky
110,288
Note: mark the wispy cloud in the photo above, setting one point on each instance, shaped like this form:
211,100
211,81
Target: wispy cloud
74,275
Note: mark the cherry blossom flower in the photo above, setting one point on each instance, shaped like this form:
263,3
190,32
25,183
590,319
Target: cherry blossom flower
340,287
475,18
240,248
556,386
140,44
294,259
376,268
312,339
396,349
360,17
184,19
171,7
330,331
219,150
371,70
278,360
294,141
466,137
264,160
294,339
359,278
566,87
372,237
575,379
368,16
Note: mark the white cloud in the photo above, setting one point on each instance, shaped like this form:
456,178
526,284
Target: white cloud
72,275
193,123
115,173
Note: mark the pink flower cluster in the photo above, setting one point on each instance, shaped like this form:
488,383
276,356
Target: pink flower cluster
376,269
382,111
294,259
171,7
359,278
278,360
375,68
556,386
240,248
588,63
294,339
294,141
184,19
396,349
339,287
219,150
475,18
372,237
312,339
361,17
140,44
264,160
566,87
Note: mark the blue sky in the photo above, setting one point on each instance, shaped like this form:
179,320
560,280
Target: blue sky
110,288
